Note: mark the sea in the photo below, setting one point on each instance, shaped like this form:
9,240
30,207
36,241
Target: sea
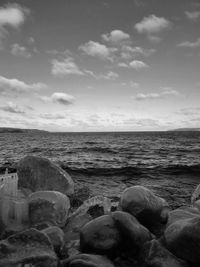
106,163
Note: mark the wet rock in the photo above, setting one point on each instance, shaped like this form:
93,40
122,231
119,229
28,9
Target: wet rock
87,260
155,255
37,174
56,236
134,234
100,236
48,206
28,247
182,238
142,203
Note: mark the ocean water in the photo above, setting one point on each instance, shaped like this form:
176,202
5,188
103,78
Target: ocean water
107,163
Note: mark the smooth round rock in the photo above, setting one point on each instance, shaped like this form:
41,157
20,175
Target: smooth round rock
142,203
134,234
36,174
100,236
183,239
56,236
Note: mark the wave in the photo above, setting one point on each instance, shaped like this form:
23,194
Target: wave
175,169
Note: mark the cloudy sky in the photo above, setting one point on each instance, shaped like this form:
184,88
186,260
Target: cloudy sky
100,65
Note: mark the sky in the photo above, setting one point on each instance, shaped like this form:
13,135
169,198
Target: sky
100,65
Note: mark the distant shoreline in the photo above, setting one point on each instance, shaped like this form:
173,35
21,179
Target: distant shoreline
24,130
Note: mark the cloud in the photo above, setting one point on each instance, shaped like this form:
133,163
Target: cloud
129,52
20,51
137,64
11,15
189,44
163,93
62,98
57,97
152,24
8,86
111,75
64,67
96,49
192,15
115,36
12,108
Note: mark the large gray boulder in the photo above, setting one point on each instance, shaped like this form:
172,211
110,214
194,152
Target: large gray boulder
183,239
134,234
142,203
48,206
56,236
182,213
100,236
37,174
28,247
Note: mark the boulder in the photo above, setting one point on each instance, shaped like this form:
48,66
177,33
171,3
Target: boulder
134,234
142,203
37,174
48,206
28,247
182,213
155,255
87,260
100,236
56,236
182,238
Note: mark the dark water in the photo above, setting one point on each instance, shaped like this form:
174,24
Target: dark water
167,162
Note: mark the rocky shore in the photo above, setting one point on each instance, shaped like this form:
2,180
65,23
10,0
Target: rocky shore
68,228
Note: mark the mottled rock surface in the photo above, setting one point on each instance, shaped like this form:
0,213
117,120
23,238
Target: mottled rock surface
30,246
37,174
48,206
56,236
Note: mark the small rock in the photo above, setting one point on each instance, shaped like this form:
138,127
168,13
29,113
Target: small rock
87,260
28,247
100,236
48,206
36,174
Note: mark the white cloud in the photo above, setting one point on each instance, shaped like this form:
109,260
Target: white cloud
115,36
152,24
12,15
137,64
57,97
8,86
193,15
20,51
164,92
190,44
66,66
130,52
108,76
12,108
96,49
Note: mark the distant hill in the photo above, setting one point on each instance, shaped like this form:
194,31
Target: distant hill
19,130
185,130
